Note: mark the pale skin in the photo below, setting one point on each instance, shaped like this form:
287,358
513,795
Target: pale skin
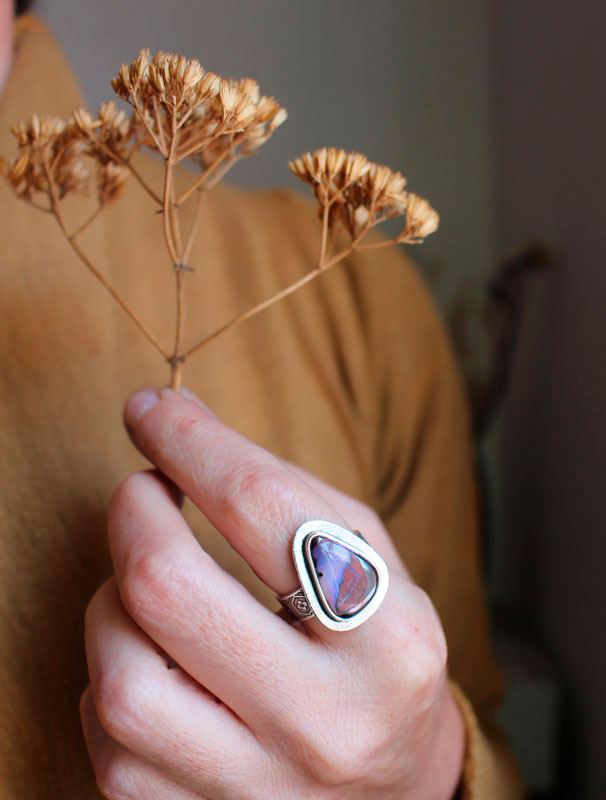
258,707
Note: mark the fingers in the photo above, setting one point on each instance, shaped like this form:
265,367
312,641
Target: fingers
247,493
158,714
119,773
215,630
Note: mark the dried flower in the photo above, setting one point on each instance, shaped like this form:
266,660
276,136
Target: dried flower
217,119
132,80
358,194
109,135
111,178
421,219
235,124
331,173
48,146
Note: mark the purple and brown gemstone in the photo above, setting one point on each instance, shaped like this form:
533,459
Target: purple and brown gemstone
347,580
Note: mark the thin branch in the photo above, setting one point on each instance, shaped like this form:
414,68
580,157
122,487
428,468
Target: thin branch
173,241
147,126
33,204
138,178
324,236
222,172
56,211
117,296
85,225
251,312
332,235
322,266
387,243
159,124
198,183
125,162
194,228
184,118
167,203
201,143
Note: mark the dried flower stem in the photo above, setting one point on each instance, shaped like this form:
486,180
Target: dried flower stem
56,211
166,209
148,128
172,235
201,181
322,266
159,124
118,297
126,162
194,229
86,223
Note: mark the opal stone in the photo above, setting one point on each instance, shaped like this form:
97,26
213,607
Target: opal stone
347,580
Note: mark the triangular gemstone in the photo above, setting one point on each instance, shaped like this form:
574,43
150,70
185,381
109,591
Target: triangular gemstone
347,580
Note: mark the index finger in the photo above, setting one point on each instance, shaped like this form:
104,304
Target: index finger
245,492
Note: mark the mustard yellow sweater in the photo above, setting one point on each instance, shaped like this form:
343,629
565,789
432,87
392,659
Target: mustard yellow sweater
352,378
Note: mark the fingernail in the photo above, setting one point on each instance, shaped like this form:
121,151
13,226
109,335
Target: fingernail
139,404
193,398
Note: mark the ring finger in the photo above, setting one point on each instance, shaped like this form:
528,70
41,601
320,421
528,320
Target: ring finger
119,773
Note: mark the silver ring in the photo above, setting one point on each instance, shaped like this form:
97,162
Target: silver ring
343,579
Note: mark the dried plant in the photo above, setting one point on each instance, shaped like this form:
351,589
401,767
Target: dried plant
190,115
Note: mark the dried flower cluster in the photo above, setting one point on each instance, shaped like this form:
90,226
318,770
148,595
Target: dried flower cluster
217,119
50,154
186,113
108,139
357,194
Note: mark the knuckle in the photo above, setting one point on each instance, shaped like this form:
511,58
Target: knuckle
340,766
261,491
114,778
334,761
188,426
154,584
426,678
427,669
121,703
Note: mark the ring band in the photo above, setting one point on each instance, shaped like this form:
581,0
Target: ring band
343,579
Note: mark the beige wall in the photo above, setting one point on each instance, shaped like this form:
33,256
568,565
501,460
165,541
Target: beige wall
551,89
404,82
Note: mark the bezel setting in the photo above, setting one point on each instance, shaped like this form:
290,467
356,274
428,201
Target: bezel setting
303,541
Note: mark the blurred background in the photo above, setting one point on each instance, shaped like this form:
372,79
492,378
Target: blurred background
495,111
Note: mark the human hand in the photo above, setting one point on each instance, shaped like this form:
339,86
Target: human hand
258,708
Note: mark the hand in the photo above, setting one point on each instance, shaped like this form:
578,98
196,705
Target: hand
258,708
